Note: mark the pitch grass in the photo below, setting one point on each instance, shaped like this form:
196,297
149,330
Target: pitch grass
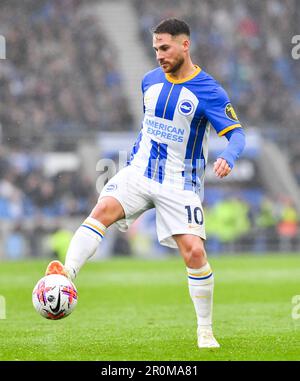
131,309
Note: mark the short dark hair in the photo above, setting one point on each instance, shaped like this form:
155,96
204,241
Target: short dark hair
174,27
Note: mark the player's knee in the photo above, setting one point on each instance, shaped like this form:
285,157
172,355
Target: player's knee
107,211
101,209
196,256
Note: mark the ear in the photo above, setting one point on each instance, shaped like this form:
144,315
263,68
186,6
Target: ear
186,43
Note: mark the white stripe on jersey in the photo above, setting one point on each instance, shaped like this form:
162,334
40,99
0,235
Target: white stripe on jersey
180,127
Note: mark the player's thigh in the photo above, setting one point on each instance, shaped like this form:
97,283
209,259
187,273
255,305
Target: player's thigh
179,212
129,193
108,210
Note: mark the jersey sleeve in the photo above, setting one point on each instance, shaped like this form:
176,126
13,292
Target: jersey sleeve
143,91
220,112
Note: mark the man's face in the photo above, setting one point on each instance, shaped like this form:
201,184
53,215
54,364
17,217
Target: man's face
170,51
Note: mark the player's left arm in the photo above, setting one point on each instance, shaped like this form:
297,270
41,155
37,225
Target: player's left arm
223,118
236,145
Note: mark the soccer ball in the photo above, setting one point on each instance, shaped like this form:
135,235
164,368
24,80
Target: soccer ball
54,297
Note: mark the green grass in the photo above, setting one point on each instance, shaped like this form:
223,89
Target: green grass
141,310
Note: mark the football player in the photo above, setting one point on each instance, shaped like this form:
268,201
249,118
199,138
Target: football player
166,168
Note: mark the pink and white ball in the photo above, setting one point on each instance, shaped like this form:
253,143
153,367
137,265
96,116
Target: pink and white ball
54,297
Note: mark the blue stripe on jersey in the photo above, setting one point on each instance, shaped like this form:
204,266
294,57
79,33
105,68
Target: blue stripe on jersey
172,102
135,147
152,160
198,157
162,99
194,150
162,159
157,161
202,167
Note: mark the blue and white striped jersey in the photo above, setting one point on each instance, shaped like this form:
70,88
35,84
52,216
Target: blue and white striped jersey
172,145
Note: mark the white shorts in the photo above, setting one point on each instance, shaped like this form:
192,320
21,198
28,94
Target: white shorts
177,211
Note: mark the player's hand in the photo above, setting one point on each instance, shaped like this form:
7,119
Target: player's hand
221,168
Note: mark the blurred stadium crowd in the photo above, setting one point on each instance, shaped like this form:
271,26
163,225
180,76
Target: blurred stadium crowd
61,77
25,190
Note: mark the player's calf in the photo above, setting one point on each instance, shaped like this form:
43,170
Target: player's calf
201,285
83,245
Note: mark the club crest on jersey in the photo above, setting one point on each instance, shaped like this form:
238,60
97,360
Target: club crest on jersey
230,113
186,107
111,187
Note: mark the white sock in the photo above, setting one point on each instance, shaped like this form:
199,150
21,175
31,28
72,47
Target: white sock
201,286
83,245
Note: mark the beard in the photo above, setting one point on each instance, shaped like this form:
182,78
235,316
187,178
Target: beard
176,66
